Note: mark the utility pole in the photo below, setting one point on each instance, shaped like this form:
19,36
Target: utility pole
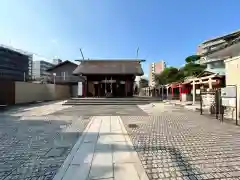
82,53
137,52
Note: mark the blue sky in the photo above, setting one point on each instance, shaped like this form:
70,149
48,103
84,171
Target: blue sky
162,29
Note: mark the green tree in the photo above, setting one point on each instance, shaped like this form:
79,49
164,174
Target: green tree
172,74
143,83
192,69
192,58
169,74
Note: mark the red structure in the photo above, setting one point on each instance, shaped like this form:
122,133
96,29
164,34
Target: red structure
177,89
206,80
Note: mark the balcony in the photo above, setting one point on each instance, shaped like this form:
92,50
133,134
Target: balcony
205,60
227,44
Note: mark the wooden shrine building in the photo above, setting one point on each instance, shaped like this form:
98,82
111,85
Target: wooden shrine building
109,78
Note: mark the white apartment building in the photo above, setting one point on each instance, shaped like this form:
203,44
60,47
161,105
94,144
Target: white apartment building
40,65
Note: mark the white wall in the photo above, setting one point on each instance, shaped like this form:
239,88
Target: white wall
30,92
232,66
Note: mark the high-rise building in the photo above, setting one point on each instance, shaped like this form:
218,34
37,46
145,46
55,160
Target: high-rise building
215,51
155,68
57,61
40,69
217,43
15,64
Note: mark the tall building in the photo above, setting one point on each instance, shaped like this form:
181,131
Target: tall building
15,64
217,43
214,51
155,68
40,69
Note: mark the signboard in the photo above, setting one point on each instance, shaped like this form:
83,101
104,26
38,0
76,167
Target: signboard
80,89
230,102
197,91
229,92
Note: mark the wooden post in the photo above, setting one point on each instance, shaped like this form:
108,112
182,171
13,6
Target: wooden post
194,92
99,85
105,86
111,85
180,92
172,92
167,92
126,87
86,88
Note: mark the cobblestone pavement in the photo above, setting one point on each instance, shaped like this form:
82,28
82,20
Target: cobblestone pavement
179,144
103,110
34,147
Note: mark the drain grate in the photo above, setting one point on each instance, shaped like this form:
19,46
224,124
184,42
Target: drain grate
132,125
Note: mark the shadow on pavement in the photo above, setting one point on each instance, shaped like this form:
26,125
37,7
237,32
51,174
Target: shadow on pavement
18,108
36,147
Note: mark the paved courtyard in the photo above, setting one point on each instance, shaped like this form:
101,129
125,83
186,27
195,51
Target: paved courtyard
33,147
172,143
103,110
180,144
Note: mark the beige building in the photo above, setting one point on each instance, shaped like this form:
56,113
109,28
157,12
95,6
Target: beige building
155,68
232,66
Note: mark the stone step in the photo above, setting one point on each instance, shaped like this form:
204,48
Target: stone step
114,99
106,103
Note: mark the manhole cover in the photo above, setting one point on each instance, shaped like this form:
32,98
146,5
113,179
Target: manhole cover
132,126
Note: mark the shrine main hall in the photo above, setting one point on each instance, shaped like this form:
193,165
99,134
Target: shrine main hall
108,78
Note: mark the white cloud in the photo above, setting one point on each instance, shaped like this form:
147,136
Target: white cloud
54,41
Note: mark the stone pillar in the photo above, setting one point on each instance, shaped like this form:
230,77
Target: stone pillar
194,92
210,83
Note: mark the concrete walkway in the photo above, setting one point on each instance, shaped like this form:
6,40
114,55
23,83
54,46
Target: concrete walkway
104,151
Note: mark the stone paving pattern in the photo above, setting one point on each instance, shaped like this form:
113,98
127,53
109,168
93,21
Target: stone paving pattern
34,147
185,145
